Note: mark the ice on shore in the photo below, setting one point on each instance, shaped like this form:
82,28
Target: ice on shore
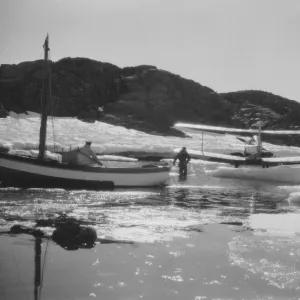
284,173
22,134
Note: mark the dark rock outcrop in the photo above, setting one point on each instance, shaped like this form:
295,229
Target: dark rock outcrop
141,97
156,99
76,85
276,112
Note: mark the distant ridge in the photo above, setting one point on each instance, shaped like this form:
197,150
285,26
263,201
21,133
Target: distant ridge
141,97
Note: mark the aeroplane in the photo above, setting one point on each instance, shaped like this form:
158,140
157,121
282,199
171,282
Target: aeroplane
254,153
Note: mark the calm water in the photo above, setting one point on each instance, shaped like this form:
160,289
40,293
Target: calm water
202,237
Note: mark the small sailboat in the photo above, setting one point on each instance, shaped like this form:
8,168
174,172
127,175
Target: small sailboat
26,171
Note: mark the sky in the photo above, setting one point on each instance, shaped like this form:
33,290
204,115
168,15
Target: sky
227,45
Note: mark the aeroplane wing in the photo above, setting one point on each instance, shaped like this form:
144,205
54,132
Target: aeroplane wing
216,157
238,160
218,129
275,161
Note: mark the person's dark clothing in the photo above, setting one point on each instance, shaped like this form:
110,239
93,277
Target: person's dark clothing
183,158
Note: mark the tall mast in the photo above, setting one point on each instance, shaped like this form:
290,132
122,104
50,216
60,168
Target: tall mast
43,128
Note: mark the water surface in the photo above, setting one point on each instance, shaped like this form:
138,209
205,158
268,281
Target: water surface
205,237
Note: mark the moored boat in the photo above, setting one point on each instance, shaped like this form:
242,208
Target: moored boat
26,171
20,171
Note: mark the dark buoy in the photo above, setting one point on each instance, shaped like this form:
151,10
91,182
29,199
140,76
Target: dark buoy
71,236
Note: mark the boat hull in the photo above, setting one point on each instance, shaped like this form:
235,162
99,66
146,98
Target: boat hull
25,172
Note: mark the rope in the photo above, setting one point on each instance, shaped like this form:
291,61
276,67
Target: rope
51,107
53,135
202,142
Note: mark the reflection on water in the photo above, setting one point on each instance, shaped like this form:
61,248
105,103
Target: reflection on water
198,232
37,268
274,259
146,215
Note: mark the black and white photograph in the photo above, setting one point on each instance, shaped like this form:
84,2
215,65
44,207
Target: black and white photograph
149,149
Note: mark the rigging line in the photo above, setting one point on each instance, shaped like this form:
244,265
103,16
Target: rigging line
53,135
51,105
202,142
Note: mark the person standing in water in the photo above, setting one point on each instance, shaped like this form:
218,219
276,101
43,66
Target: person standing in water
183,158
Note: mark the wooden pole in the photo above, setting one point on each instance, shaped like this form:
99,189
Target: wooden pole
259,144
43,128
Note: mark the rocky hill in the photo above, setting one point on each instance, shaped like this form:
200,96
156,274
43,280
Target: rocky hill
141,97
276,112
